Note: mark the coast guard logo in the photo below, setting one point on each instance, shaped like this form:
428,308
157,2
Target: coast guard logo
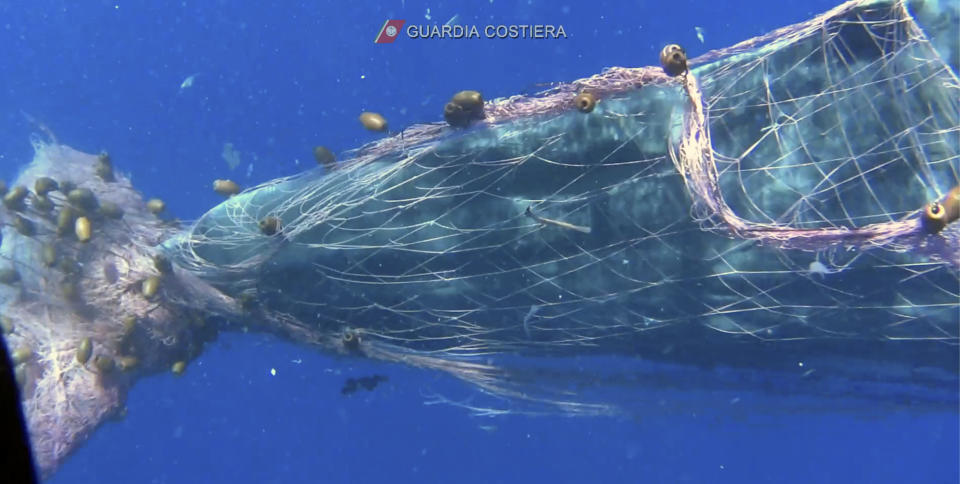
389,32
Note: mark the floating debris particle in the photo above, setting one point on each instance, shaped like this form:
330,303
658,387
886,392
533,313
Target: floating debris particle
230,155
188,82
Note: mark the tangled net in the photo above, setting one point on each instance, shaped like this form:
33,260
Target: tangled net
809,155
763,213
70,291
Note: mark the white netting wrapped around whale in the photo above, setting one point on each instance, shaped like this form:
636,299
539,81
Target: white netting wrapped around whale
765,209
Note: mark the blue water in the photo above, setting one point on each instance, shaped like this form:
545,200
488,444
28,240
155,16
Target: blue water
277,78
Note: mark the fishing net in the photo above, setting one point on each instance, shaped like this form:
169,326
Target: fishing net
69,294
781,218
763,210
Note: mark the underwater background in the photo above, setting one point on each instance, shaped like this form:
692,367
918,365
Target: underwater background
274,79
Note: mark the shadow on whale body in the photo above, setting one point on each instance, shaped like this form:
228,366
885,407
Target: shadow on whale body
757,229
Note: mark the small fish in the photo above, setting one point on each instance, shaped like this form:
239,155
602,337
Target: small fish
367,383
558,223
699,33
453,20
188,82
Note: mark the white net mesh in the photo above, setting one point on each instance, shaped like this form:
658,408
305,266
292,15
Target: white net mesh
809,155
769,212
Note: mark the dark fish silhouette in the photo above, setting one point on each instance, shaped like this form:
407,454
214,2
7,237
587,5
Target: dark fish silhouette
367,383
